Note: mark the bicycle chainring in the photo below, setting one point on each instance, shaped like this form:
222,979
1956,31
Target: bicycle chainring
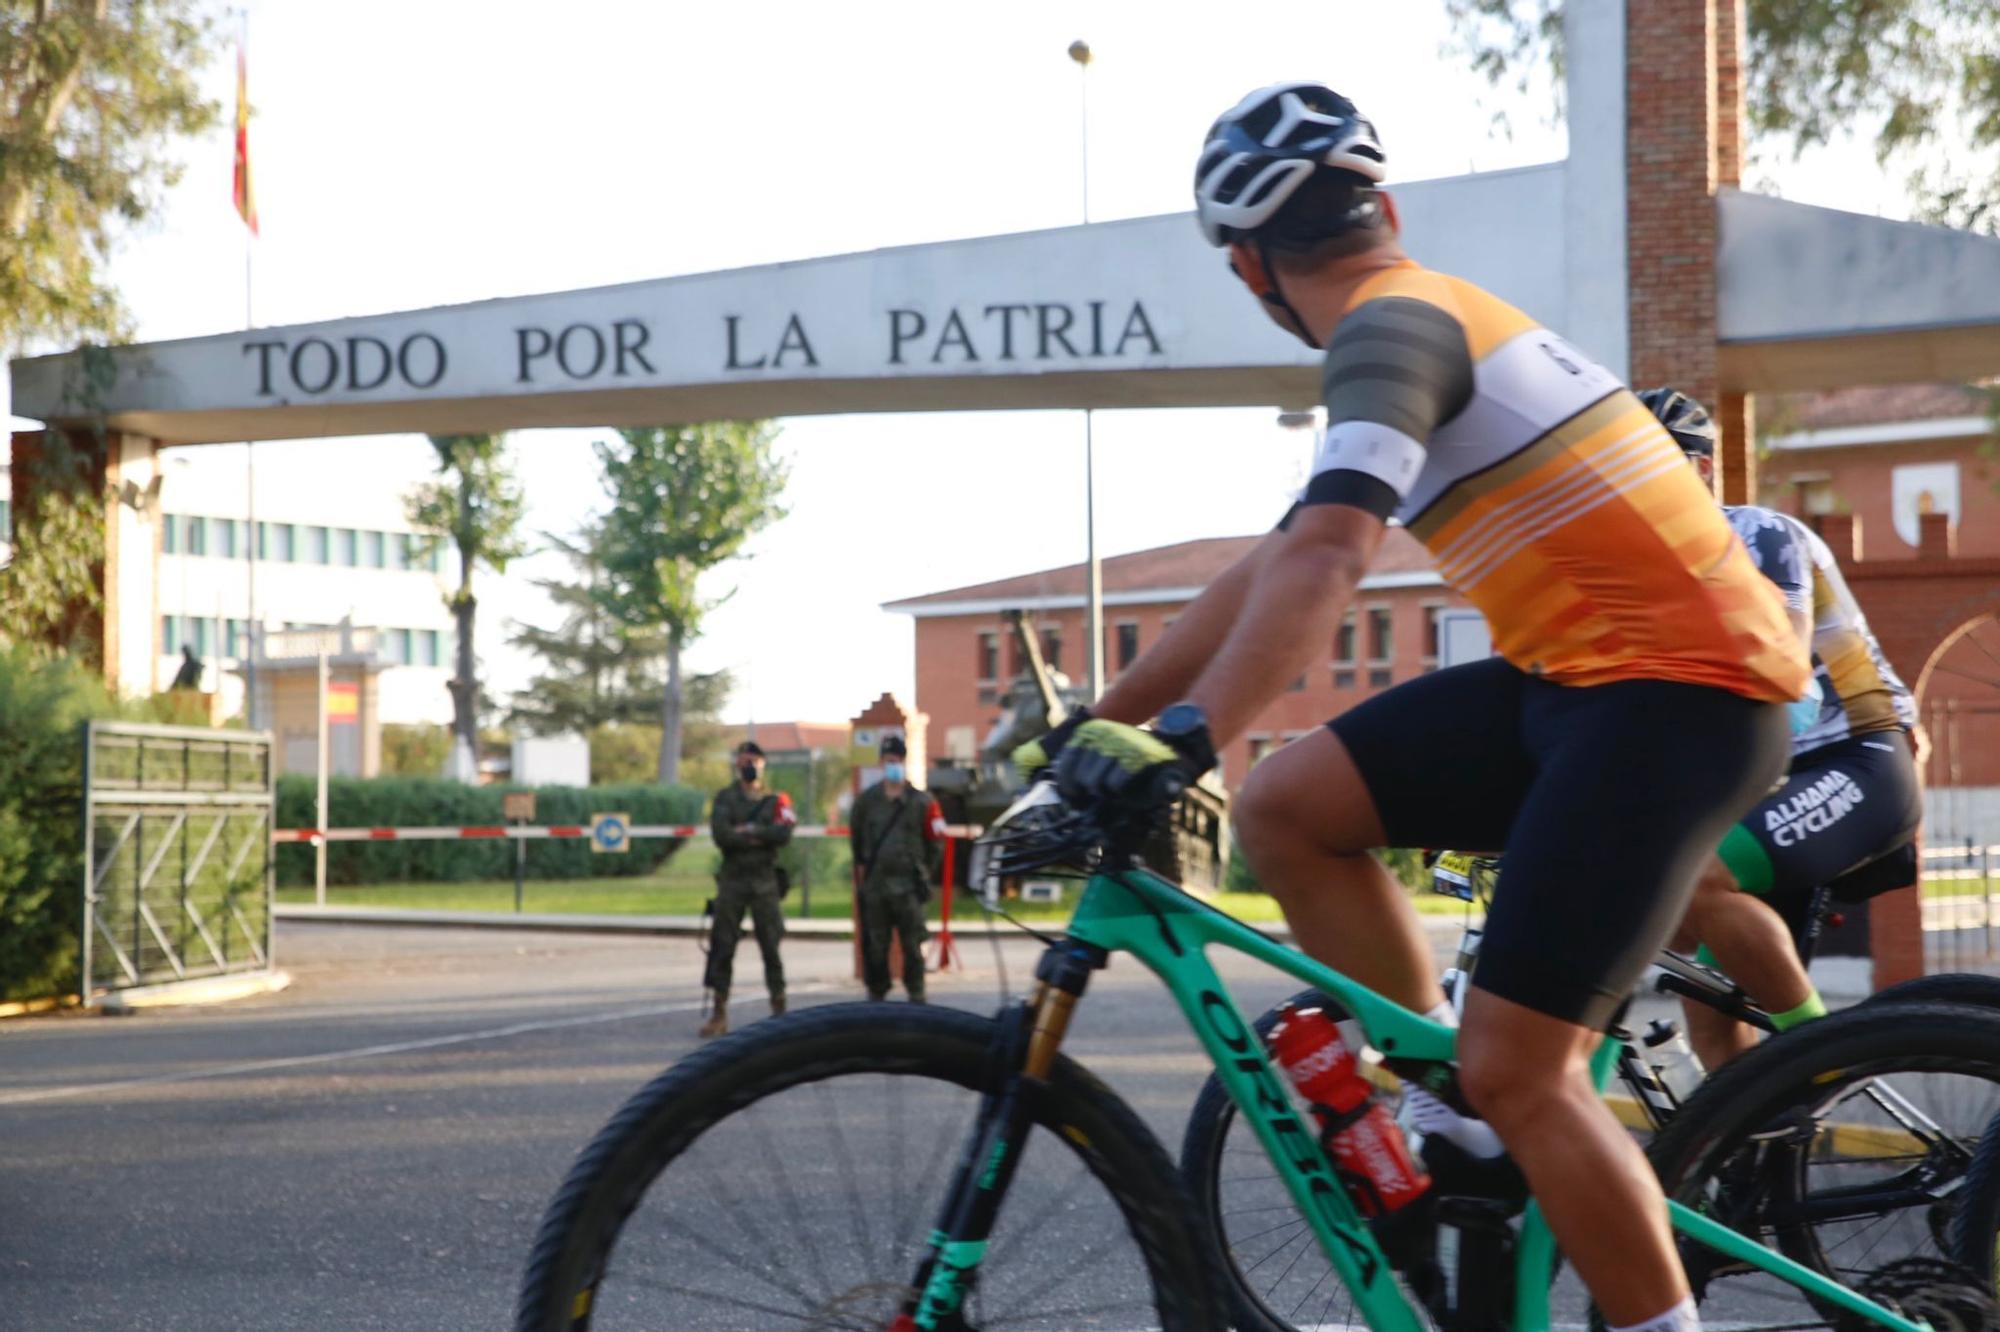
1930,1290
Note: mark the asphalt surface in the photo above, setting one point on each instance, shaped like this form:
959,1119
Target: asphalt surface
374,1147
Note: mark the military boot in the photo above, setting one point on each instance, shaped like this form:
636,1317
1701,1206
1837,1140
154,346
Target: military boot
718,1019
777,1003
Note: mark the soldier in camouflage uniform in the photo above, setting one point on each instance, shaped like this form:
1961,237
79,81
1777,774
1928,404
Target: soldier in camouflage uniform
750,825
894,832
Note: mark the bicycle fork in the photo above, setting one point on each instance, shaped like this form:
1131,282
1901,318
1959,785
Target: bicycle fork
1025,1055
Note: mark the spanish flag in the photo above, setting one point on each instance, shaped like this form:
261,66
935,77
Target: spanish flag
246,198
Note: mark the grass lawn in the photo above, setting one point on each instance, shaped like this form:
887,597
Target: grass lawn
1960,887
681,893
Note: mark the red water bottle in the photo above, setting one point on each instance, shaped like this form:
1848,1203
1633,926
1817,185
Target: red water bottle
1356,1130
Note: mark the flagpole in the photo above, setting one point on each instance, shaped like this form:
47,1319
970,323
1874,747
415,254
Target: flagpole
251,627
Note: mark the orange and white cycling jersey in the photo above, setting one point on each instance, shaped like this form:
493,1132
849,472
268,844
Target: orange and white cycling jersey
1548,494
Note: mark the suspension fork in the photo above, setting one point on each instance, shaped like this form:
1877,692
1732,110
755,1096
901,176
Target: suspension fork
1032,1035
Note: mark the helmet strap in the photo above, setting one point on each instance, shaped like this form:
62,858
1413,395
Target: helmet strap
1274,295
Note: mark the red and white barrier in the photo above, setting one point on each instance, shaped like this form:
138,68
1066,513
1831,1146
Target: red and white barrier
539,832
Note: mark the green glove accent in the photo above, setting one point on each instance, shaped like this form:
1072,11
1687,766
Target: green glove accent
1029,759
1129,747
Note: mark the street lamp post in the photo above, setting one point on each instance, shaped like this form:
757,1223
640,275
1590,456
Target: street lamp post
1079,51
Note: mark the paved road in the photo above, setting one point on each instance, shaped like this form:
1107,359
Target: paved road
373,1147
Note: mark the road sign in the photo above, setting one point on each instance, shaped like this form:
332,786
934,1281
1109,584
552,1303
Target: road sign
610,832
518,806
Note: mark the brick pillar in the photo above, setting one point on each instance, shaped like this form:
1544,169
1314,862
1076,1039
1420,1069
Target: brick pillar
1669,187
1842,534
1737,456
1937,536
1684,139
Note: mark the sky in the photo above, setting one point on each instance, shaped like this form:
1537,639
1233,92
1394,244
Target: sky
410,153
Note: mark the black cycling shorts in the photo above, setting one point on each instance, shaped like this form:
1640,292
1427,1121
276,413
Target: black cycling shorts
1842,805
1606,799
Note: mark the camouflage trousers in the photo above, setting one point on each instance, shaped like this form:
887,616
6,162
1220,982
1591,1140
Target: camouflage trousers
766,918
902,913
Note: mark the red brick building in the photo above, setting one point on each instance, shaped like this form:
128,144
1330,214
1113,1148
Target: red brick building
966,654
1883,459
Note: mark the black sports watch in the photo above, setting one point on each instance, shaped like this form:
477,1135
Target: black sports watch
1185,727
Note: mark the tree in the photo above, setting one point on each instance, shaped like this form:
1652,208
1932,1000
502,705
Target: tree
475,505
92,93
1913,74
599,672
683,500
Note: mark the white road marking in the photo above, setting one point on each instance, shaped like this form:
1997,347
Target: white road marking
364,1051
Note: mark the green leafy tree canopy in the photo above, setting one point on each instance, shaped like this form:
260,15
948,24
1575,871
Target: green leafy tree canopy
684,499
92,93
1919,77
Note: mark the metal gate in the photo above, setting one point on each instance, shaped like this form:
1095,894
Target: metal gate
177,854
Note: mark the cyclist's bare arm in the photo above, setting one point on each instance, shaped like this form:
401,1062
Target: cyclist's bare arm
1164,674
1287,624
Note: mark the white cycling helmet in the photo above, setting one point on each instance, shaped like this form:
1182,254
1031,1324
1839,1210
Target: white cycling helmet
1263,150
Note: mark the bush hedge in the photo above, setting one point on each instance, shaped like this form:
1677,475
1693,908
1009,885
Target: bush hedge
43,703
385,802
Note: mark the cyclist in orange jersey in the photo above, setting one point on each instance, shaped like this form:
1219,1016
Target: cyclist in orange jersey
1634,714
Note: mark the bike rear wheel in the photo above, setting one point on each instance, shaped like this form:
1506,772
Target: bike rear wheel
789,1176
1844,1143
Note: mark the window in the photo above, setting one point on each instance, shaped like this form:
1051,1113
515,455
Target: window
1817,498
319,543
1433,635
6,520
170,635
1128,644
232,638
197,536
437,557
204,634
170,534
286,547
1343,641
1260,745
225,538
1052,646
372,544
989,655
403,644
428,645
346,547
395,551
1381,634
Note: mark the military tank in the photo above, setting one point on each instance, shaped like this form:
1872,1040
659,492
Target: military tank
1190,846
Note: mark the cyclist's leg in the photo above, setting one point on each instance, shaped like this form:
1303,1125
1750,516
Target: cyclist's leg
1752,944
1428,761
1637,781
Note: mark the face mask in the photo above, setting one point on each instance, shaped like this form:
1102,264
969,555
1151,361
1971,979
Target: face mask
748,772
893,771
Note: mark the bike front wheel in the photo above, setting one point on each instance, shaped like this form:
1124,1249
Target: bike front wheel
789,1177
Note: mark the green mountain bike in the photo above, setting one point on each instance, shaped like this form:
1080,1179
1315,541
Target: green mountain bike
888,1168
